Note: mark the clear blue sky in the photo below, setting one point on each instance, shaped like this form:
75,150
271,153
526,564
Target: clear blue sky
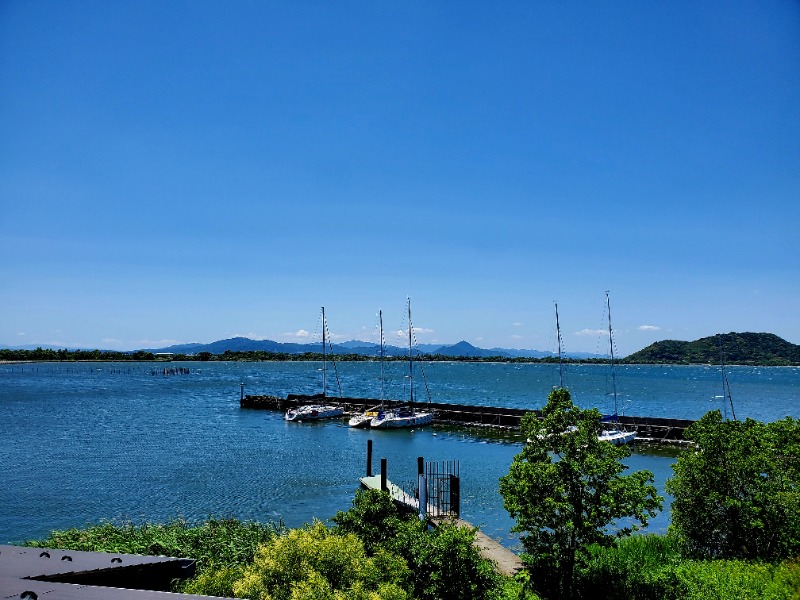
191,171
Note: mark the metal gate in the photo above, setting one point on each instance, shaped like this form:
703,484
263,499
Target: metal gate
443,487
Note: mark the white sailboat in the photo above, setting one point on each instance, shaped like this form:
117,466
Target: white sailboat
315,412
570,428
613,431
363,420
406,416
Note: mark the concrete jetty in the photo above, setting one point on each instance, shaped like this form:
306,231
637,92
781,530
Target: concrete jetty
648,429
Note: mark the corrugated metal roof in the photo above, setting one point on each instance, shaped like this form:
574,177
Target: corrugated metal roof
71,574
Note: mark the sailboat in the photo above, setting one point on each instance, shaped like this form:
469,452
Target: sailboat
406,416
315,412
363,420
613,431
570,428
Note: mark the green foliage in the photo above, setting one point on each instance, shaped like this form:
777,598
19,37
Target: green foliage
724,579
652,568
444,561
641,566
315,562
374,518
739,348
566,491
737,494
221,547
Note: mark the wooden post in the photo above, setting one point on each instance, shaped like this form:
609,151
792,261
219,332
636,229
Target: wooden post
369,458
241,393
384,486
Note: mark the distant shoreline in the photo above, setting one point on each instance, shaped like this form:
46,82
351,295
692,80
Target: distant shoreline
358,358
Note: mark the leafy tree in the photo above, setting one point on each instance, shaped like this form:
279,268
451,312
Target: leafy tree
314,562
374,518
737,493
444,561
566,491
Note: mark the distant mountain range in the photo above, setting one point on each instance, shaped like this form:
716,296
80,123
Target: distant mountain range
739,348
461,349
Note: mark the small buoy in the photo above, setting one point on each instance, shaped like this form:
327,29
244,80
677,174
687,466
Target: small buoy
434,434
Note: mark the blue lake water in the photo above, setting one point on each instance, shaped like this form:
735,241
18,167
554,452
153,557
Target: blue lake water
85,442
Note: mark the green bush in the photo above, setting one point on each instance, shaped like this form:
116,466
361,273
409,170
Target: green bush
724,579
736,495
220,547
444,562
315,562
651,568
374,518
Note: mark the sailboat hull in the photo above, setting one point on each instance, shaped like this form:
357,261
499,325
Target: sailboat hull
401,419
362,420
617,437
313,413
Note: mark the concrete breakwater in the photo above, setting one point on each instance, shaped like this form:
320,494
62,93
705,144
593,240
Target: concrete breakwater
648,429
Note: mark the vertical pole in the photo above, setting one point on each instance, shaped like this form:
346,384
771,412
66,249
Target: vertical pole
420,465
423,497
455,495
324,361
369,458
241,393
384,486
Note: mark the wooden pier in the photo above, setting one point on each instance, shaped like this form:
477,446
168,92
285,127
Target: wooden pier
648,429
503,559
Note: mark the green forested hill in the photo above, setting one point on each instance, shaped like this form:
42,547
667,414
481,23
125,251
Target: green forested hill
739,348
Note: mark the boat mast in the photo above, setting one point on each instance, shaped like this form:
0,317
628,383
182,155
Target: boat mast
611,346
410,359
726,387
560,365
324,361
380,318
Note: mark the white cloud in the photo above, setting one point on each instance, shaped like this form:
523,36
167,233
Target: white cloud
302,333
516,337
250,336
417,330
648,328
155,343
21,333
591,332
518,324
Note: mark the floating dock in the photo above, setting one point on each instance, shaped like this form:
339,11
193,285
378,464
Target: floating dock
648,429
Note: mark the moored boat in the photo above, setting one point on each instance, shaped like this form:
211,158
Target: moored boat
313,412
401,417
614,432
364,420
404,416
